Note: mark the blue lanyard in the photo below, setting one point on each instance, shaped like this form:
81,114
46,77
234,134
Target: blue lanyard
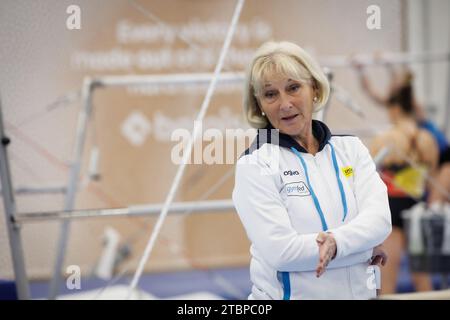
313,194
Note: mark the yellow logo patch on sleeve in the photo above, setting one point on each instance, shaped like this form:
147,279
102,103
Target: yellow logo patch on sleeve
347,171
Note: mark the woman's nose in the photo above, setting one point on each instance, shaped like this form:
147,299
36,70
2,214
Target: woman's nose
285,102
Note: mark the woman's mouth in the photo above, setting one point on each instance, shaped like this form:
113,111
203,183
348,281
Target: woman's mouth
289,118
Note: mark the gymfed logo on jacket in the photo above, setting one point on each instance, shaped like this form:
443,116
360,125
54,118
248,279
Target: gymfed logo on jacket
298,189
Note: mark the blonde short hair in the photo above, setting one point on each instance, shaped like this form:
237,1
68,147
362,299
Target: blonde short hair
284,58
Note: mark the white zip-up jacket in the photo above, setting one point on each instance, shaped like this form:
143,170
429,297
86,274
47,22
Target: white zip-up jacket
285,196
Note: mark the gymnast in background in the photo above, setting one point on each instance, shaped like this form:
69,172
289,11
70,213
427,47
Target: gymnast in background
401,88
413,140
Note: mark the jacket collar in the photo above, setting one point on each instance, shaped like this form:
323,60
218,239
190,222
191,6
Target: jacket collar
319,130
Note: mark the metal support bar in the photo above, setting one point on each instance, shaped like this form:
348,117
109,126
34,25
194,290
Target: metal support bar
75,168
387,58
167,79
15,240
37,190
139,210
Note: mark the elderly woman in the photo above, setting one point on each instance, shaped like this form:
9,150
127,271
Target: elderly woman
313,205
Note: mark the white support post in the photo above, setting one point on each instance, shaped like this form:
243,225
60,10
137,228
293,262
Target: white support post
70,198
137,210
15,240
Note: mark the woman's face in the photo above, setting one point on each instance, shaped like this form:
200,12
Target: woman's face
287,103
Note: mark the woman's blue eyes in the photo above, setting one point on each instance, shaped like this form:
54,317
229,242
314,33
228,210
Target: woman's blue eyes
269,94
291,89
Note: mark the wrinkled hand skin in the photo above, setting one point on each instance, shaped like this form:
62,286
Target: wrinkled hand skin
327,251
379,256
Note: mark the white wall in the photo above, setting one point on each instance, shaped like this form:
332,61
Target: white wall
429,30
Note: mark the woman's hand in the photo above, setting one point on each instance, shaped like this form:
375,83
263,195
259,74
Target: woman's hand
327,251
379,256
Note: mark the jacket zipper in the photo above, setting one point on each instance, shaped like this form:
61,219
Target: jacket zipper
327,185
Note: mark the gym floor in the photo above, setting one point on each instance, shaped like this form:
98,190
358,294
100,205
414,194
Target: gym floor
229,284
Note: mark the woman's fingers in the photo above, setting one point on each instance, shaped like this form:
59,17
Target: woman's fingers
327,250
325,255
384,258
319,272
379,255
321,267
321,237
379,259
376,260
